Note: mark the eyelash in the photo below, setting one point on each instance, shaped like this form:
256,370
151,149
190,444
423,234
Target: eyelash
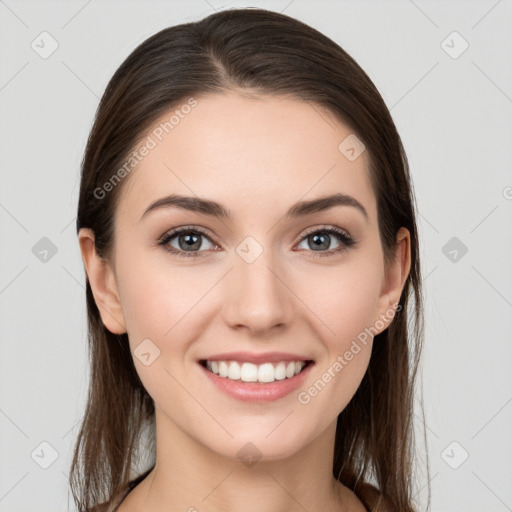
345,239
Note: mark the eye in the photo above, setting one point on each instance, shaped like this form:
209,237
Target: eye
188,241
322,238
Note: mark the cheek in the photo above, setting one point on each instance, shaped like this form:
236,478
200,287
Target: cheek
157,295
344,298
168,305
348,311
161,303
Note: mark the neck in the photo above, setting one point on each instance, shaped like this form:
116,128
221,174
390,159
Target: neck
191,477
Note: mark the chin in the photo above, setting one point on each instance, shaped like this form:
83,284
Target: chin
249,447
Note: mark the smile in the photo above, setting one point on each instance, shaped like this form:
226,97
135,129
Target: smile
249,372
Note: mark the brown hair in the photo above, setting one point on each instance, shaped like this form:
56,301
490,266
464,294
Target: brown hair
259,52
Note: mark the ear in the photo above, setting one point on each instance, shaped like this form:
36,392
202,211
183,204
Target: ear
394,280
103,284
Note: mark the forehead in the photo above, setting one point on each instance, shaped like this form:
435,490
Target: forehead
252,154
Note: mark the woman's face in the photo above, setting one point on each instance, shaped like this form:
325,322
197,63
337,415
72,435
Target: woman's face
258,281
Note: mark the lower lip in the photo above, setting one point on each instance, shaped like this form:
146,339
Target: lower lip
257,391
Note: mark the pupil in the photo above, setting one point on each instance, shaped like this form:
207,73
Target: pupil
190,243
318,243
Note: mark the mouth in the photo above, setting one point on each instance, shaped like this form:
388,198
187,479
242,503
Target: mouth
265,373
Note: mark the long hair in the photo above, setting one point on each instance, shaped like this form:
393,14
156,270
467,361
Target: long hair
258,52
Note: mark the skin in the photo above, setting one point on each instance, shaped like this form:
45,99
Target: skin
256,156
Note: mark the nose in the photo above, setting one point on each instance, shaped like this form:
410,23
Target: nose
257,297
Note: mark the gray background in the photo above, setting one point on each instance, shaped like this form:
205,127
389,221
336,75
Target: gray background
454,114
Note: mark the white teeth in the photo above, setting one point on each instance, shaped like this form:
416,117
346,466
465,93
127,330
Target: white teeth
266,373
280,371
234,371
249,372
223,369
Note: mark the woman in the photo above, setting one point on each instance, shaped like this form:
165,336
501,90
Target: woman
247,226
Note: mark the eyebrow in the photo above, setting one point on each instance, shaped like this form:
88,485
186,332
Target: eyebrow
215,209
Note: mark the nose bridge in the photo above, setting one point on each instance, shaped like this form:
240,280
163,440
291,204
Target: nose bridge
257,296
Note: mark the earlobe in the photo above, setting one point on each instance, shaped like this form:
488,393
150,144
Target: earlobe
395,277
103,284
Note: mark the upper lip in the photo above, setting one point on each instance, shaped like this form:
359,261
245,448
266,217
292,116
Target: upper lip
266,357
